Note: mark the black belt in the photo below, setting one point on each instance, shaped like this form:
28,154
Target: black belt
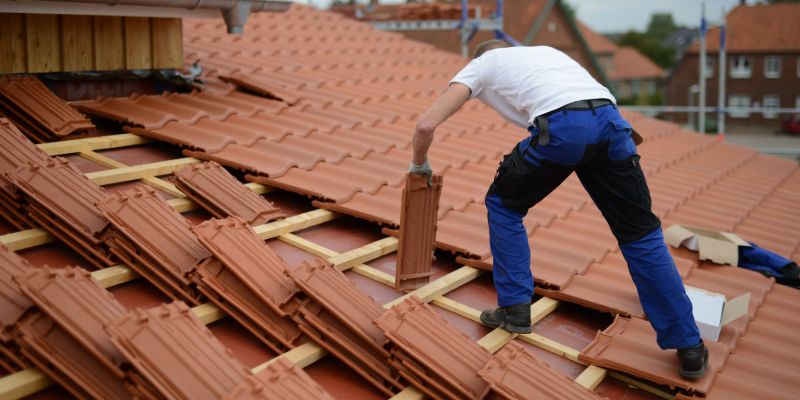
580,105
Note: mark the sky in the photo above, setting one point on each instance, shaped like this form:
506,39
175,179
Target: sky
621,15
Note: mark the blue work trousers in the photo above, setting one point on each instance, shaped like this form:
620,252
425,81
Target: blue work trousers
597,145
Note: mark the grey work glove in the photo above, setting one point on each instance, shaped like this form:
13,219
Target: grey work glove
424,169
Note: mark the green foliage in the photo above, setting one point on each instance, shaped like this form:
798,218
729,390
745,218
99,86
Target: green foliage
650,46
661,25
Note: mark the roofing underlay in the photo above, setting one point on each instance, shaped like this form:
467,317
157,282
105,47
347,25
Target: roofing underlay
341,135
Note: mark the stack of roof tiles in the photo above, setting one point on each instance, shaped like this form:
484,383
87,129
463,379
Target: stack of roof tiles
333,118
246,278
13,305
38,112
222,195
15,152
154,240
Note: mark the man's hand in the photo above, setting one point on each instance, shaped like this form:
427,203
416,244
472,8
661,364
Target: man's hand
423,169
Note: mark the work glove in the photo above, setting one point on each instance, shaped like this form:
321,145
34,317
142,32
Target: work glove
424,170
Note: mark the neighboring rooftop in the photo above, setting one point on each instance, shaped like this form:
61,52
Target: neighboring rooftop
758,28
316,112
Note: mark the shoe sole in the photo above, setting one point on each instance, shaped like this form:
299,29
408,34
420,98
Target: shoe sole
511,328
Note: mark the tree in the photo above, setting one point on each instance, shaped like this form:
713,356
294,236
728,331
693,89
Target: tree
650,46
661,25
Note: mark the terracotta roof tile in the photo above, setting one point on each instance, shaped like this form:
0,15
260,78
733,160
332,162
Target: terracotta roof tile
438,359
62,201
281,380
629,345
70,340
418,215
15,151
597,42
516,374
153,239
758,28
629,63
340,320
41,114
217,191
175,352
13,302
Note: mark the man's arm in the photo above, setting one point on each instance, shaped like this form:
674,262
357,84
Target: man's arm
446,105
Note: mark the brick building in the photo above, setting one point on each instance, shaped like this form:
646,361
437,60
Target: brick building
634,78
763,57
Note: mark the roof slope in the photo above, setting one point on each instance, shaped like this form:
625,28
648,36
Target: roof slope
597,42
345,140
758,28
629,63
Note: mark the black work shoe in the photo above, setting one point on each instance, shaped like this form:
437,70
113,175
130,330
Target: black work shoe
694,361
515,319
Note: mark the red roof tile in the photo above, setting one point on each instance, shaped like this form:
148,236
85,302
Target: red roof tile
175,352
516,374
418,215
758,28
629,63
217,191
629,345
438,359
13,302
40,113
281,380
597,42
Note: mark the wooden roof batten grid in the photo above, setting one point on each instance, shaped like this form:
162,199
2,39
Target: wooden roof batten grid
32,380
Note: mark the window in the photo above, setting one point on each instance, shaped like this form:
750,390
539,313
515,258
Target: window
798,67
709,67
651,88
797,102
740,67
772,67
771,101
636,86
734,101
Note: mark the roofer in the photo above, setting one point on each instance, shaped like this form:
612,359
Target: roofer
574,125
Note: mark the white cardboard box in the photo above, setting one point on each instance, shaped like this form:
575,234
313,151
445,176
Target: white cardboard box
712,310
715,246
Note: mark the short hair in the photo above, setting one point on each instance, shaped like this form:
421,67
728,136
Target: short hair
489,45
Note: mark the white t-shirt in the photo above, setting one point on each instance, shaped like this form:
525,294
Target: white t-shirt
522,83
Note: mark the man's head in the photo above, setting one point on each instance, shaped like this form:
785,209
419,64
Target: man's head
489,45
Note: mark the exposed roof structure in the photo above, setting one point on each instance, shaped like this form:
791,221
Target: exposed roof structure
758,28
323,106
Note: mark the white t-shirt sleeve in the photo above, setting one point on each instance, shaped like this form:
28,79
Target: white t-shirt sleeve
471,77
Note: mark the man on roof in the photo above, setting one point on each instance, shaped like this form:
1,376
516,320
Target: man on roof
574,126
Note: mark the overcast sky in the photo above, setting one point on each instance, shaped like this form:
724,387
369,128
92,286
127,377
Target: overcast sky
622,15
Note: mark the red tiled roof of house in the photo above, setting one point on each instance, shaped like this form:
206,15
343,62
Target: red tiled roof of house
629,63
758,28
597,42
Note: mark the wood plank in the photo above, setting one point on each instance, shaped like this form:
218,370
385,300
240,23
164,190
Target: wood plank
591,377
95,143
109,46
138,50
366,253
135,172
26,239
77,46
13,47
208,313
23,383
647,387
43,42
307,245
182,204
542,308
496,339
167,43
294,223
442,285
259,188
409,393
114,275
552,346
302,356
109,162
374,274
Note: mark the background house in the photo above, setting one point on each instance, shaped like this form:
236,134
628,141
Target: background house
763,57
634,78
